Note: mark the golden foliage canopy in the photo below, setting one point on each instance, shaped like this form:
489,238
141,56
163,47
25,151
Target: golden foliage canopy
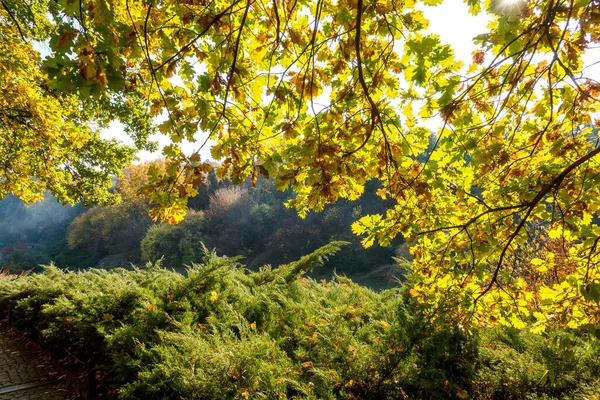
49,129
326,95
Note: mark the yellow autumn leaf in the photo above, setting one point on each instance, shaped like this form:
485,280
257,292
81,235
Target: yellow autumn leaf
214,296
538,329
548,294
517,322
555,233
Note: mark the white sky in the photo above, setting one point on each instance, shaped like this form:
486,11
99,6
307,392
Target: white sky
450,20
455,26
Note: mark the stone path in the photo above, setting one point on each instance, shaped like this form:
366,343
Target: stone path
22,377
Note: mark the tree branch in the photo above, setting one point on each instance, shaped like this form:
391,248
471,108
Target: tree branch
10,14
555,184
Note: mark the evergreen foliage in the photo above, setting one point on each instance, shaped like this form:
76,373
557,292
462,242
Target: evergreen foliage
223,332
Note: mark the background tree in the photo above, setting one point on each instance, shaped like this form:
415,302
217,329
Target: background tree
116,229
251,221
49,129
177,245
33,234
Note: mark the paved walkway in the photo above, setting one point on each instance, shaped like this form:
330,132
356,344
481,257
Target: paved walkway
22,374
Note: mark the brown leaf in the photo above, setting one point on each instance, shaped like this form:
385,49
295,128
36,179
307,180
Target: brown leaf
195,158
171,69
478,57
66,38
448,112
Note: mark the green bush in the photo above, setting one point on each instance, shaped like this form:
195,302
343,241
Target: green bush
177,245
19,257
515,364
224,332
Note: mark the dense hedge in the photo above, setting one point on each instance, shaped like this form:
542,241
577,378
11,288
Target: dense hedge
221,332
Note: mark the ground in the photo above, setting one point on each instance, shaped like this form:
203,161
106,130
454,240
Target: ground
26,371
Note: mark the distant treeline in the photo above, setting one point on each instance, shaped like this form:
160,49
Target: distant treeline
245,220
